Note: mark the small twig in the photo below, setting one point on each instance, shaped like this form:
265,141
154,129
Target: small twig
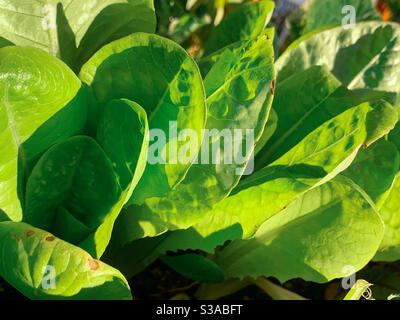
360,289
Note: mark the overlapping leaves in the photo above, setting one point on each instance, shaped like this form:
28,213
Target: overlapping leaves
324,192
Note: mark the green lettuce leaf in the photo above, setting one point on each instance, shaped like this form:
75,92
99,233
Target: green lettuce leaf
123,133
174,92
319,157
239,95
239,92
70,30
315,14
244,23
314,238
301,108
365,57
42,103
374,169
75,175
389,249
42,266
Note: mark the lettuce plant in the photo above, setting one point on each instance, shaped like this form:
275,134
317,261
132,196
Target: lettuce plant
83,206
325,167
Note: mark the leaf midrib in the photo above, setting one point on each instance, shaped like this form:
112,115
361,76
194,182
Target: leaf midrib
10,116
250,244
278,143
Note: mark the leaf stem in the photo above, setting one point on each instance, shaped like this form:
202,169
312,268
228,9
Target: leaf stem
358,290
275,291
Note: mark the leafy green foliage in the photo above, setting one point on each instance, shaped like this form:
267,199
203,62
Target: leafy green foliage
362,58
316,14
323,154
116,133
242,84
235,85
311,106
245,22
55,26
389,249
78,178
302,238
175,93
76,274
34,88
375,169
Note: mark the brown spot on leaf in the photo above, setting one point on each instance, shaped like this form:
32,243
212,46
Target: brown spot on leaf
29,233
93,264
273,87
15,237
50,238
